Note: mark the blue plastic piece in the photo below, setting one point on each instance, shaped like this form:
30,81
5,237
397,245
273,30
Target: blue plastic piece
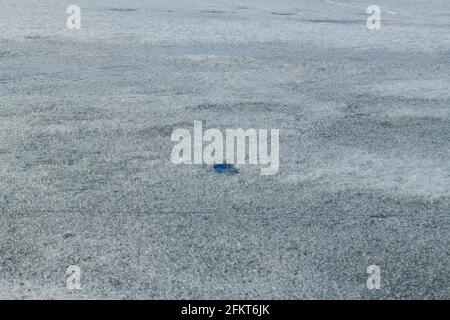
225,169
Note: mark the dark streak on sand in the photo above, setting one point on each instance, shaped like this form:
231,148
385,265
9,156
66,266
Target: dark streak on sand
214,11
283,13
123,9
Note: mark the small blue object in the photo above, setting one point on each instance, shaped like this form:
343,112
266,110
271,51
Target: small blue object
225,168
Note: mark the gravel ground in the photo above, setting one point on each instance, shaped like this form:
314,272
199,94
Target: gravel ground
86,178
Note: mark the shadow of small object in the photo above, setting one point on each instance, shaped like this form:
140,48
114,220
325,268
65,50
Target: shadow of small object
227,169
68,235
123,9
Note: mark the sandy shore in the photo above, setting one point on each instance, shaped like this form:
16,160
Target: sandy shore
86,178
